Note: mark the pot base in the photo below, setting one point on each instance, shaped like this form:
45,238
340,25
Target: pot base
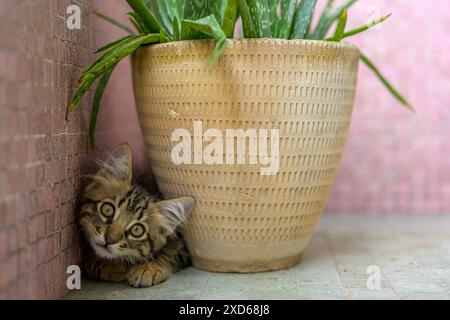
247,266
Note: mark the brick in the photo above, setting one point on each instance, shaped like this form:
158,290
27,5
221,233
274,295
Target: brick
15,181
41,250
42,276
3,247
53,246
68,235
36,228
13,290
24,263
12,267
30,257
12,240
15,210
22,288
21,228
4,276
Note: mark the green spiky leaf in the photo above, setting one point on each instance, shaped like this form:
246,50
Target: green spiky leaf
248,27
195,10
340,28
364,27
386,83
109,48
107,61
101,86
302,19
229,18
287,13
259,10
211,28
163,13
274,19
176,28
328,17
113,43
114,22
138,22
140,8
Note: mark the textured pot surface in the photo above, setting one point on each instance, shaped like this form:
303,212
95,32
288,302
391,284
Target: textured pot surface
245,221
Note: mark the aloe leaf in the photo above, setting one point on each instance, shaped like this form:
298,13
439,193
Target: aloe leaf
210,27
138,22
169,9
114,22
248,26
386,83
136,25
163,38
273,8
110,47
273,13
365,27
195,10
259,10
327,19
339,11
114,56
229,18
113,43
82,89
143,10
101,86
107,61
340,28
323,19
220,6
302,19
162,11
88,77
176,28
287,13
176,8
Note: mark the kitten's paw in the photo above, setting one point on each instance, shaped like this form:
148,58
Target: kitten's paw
114,273
105,270
147,275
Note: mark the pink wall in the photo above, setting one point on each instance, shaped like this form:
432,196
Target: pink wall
396,161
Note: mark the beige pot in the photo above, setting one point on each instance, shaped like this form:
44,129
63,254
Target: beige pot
244,221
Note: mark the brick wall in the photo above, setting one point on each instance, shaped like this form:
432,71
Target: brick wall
42,157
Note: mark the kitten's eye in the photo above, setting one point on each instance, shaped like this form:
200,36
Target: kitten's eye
137,230
107,210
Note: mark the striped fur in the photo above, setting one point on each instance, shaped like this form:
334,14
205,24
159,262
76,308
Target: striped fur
131,236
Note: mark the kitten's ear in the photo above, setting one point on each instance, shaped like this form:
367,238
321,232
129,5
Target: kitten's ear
119,164
175,211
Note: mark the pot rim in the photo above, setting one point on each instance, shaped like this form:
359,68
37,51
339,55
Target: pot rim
342,45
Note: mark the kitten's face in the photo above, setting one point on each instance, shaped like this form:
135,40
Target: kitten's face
120,220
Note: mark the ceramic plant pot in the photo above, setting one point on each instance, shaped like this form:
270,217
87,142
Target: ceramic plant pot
246,221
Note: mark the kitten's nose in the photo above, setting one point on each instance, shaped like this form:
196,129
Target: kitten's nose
109,240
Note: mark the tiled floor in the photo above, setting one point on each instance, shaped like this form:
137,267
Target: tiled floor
412,254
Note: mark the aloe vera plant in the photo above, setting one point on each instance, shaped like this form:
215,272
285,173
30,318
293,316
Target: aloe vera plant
159,21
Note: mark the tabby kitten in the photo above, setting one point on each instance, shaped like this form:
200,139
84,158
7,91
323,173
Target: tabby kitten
131,237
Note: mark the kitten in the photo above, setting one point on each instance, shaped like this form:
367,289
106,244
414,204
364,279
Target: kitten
131,237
